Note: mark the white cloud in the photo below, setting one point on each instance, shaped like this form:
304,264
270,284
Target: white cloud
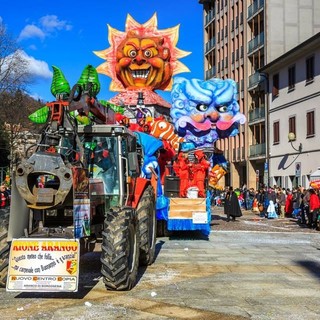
31,31
52,23
47,25
37,68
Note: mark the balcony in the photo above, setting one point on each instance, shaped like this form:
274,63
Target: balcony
210,16
210,73
257,150
257,114
256,42
254,80
254,8
210,44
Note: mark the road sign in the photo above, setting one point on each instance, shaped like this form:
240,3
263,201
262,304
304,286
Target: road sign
298,169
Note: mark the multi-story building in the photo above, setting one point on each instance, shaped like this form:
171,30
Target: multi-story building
293,112
241,37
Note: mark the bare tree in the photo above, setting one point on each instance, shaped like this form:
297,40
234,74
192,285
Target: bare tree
14,72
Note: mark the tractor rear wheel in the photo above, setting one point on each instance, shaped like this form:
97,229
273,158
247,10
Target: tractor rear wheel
147,226
120,249
4,246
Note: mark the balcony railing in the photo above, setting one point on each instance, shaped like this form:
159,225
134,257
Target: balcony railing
210,44
255,7
257,113
256,42
210,16
258,150
254,80
210,73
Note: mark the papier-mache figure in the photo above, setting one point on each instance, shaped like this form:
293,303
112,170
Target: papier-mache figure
181,168
200,170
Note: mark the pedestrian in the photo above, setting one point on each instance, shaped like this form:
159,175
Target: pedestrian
296,198
233,209
4,197
314,206
289,203
306,200
281,200
303,207
271,210
261,201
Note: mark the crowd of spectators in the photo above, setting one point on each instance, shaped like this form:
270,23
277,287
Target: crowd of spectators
276,202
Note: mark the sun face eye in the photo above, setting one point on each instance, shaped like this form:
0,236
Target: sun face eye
222,108
148,53
132,53
202,107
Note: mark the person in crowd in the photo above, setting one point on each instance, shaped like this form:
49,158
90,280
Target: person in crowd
314,206
289,203
281,200
248,195
4,197
271,210
261,202
232,207
306,200
303,206
296,198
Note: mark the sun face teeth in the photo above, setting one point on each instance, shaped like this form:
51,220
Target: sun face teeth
140,74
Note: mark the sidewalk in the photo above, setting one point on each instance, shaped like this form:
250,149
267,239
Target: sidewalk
251,221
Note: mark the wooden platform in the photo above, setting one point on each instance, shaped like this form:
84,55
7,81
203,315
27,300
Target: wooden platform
183,208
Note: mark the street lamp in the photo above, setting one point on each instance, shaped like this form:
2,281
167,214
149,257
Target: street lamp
291,138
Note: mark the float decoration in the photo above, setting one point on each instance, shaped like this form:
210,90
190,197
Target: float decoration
60,87
142,58
204,111
164,130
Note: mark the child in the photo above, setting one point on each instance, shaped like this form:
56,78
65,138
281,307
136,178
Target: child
271,211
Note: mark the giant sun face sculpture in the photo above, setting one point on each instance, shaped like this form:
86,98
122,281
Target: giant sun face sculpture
142,56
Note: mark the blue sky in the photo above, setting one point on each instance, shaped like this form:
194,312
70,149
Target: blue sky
65,33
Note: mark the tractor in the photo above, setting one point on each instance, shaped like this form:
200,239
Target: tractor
81,183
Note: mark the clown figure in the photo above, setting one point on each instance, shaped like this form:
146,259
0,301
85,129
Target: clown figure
200,170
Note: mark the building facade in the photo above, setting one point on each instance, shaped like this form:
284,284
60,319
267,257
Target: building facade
240,38
294,108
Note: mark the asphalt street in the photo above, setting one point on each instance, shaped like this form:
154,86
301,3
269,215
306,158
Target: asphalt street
239,272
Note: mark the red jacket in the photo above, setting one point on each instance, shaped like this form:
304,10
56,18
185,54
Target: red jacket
314,202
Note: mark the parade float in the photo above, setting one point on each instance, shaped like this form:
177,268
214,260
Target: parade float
139,61
123,170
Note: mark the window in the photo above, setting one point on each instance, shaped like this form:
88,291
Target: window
310,124
291,77
309,69
292,124
276,132
275,85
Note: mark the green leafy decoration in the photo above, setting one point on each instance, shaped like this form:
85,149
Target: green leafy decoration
114,107
90,75
60,87
40,116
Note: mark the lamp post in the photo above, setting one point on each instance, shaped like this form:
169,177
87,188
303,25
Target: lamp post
291,138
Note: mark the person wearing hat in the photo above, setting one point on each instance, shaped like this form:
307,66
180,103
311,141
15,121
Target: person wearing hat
232,207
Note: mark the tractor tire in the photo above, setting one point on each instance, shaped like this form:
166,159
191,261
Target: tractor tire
4,246
120,249
147,227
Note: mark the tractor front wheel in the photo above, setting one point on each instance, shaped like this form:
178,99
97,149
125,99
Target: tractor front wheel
147,226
